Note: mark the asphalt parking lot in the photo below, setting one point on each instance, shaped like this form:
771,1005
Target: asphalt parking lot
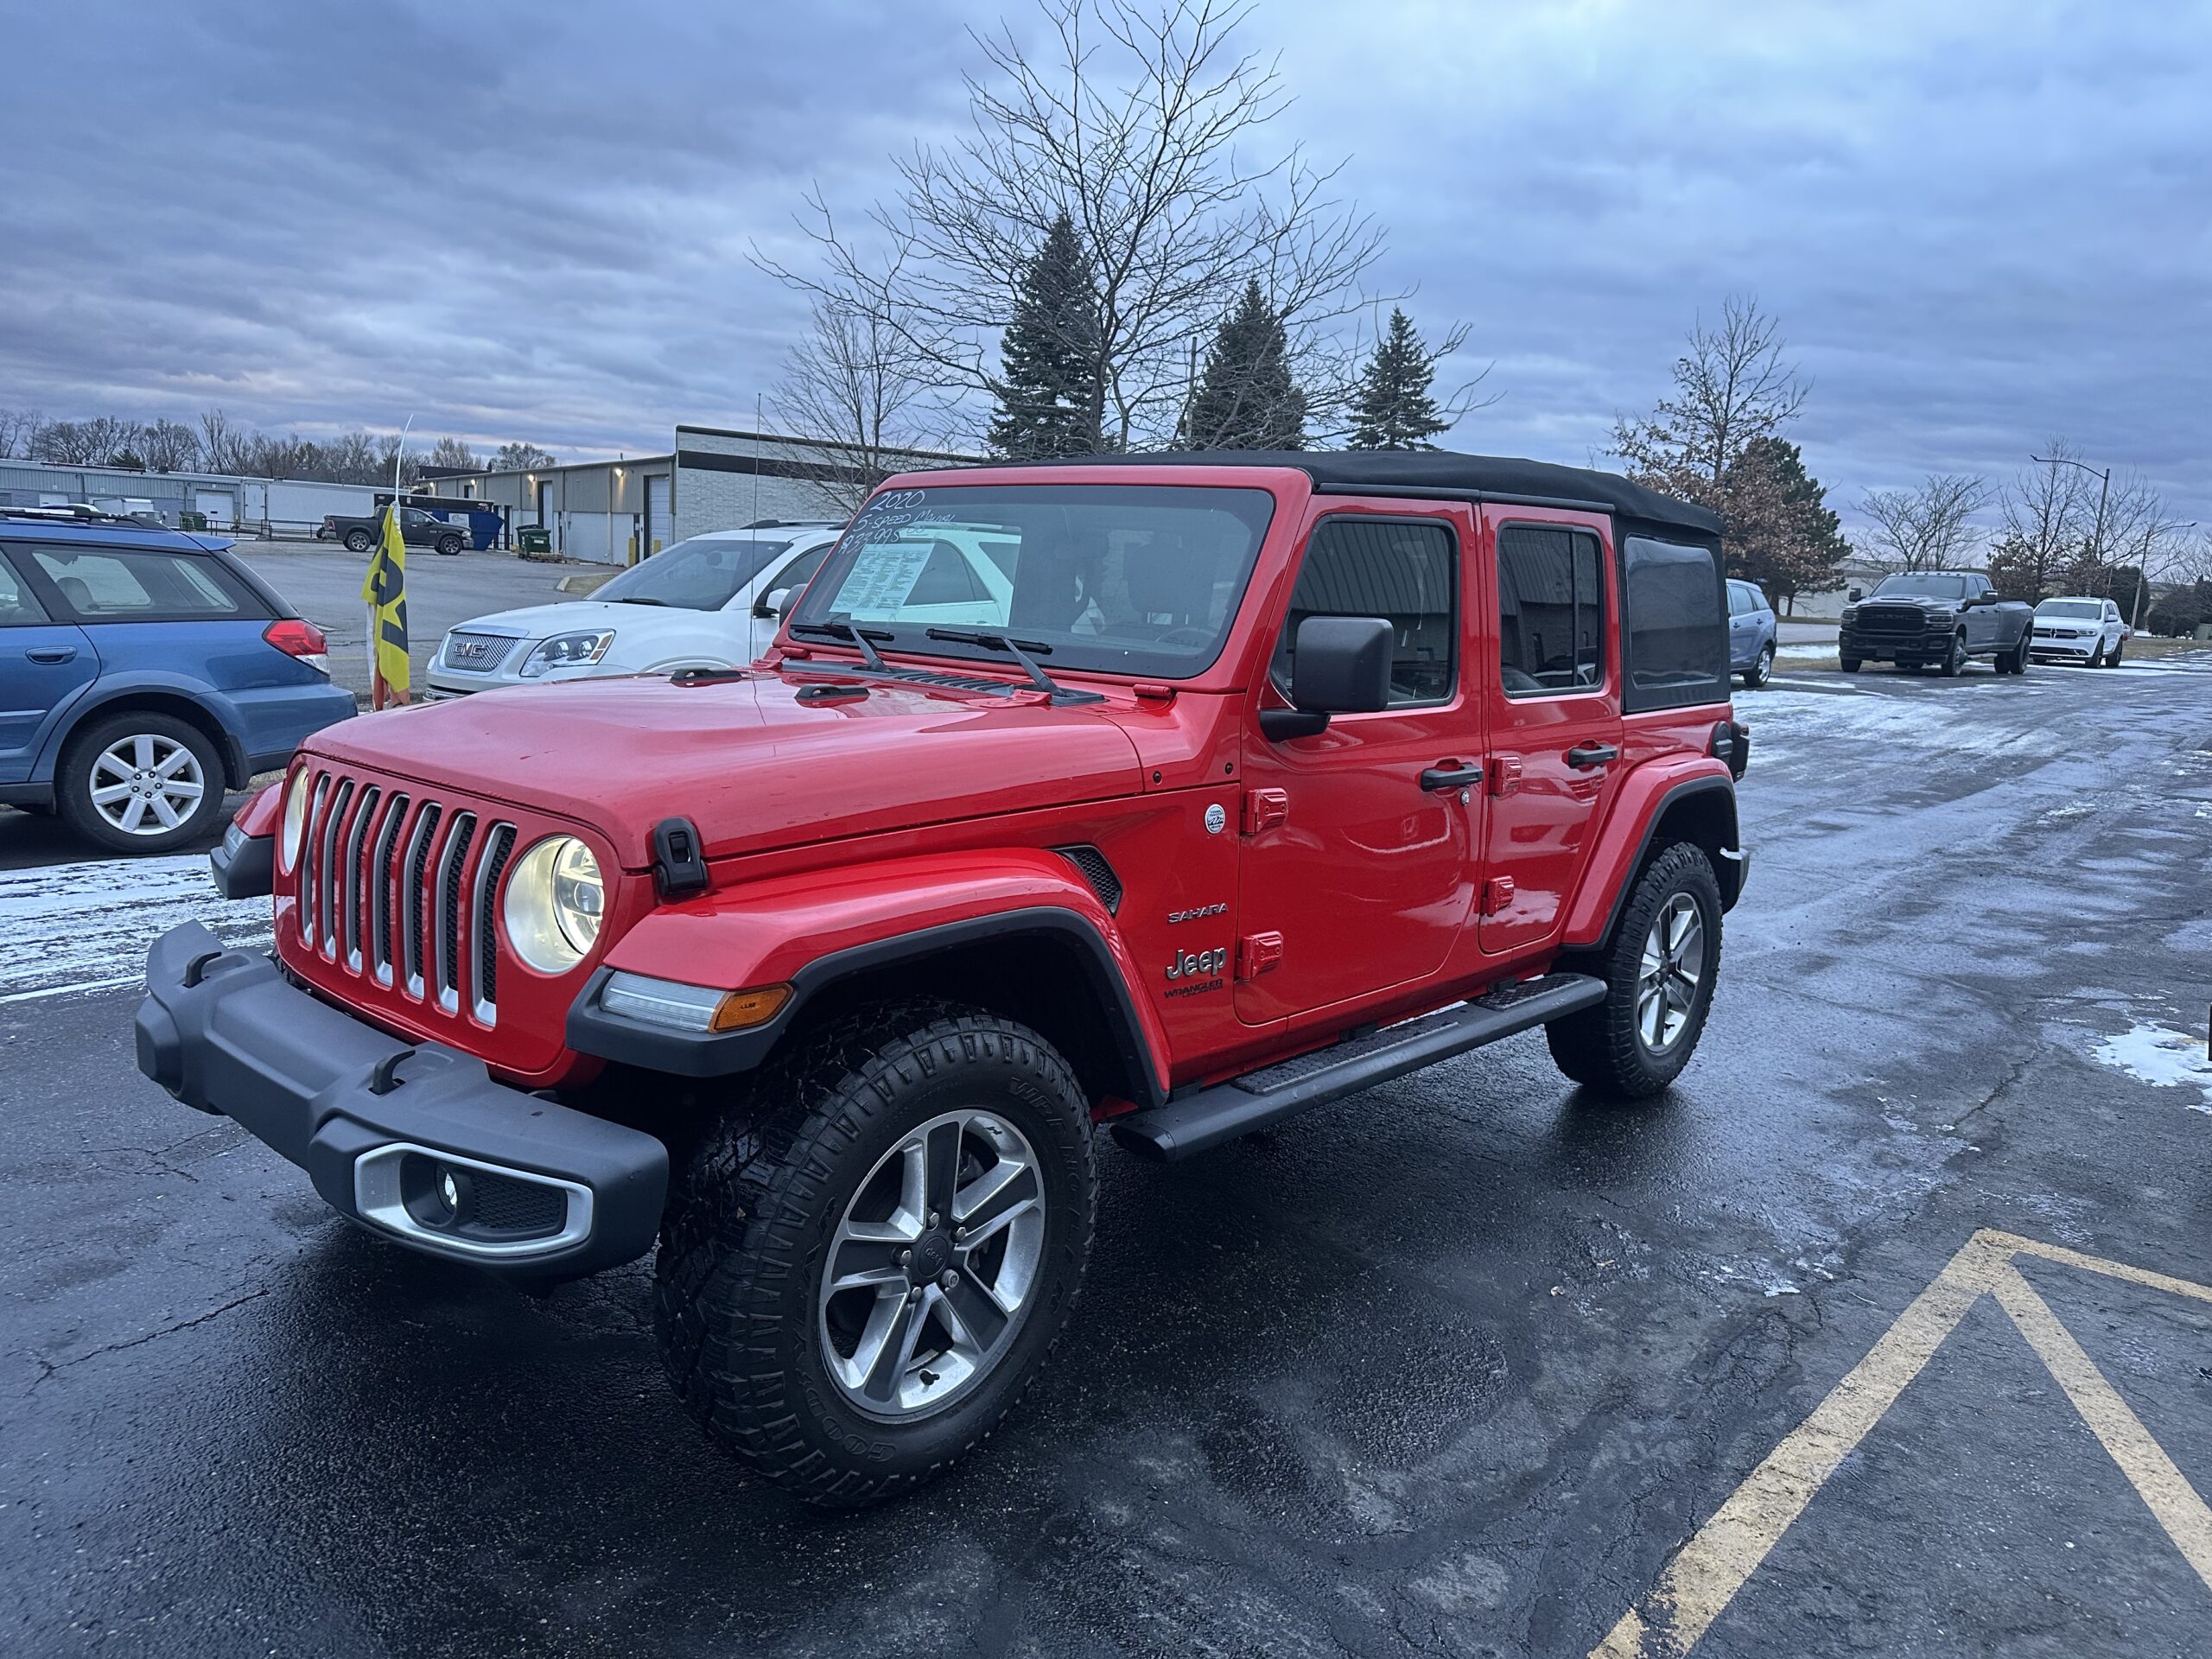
1468,1364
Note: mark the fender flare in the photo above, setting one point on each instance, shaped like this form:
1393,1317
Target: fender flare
104,693
816,930
1645,797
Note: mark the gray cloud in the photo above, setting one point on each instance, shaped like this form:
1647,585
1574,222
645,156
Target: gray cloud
1980,228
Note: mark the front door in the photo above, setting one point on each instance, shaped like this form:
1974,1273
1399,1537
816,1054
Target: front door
1556,720
1355,876
43,665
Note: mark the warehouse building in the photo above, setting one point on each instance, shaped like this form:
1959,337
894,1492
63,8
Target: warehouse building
267,507
620,511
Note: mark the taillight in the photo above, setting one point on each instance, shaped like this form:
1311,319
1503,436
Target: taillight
296,637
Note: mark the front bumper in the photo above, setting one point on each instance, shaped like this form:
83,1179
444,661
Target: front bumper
1931,646
545,1193
2079,650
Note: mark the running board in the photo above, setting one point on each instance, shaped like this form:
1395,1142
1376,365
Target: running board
1204,1119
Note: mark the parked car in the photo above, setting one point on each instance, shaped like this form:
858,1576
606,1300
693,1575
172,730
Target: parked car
142,671
1936,618
1750,633
2079,630
708,602
417,528
1263,779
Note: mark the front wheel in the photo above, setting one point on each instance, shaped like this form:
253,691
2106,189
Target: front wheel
2111,657
862,1270
1848,665
1659,973
1953,662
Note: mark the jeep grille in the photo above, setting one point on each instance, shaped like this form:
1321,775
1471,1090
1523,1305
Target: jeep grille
403,891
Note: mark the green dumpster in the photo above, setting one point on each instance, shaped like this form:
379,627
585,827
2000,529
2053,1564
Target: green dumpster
534,540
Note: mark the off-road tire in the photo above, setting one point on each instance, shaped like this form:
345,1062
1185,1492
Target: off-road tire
750,1213
448,545
1601,1047
73,782
1953,662
357,541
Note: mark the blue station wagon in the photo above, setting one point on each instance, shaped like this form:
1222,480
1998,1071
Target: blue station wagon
142,671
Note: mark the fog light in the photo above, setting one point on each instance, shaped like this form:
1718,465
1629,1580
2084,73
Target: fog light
448,1188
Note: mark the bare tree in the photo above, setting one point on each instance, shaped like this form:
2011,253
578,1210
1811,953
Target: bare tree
522,458
168,446
91,442
222,446
17,427
2045,509
1732,387
1929,528
1140,121
452,451
856,381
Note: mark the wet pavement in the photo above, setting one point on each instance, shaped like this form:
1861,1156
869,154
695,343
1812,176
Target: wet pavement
1455,1367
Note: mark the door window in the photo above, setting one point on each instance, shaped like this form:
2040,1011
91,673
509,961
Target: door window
109,584
1403,572
1551,600
800,571
19,606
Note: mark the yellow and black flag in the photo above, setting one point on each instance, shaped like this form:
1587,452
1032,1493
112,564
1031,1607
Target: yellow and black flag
385,589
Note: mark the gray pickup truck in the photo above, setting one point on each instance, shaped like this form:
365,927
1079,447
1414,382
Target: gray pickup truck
416,528
1936,618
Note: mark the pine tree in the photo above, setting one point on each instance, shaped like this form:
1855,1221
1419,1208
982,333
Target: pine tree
1050,400
1246,398
1392,408
1775,522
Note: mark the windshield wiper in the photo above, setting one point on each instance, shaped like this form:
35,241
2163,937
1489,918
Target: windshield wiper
1018,650
839,626
635,599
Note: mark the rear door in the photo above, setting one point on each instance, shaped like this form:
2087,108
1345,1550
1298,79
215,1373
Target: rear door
1743,626
1554,687
1355,874
45,666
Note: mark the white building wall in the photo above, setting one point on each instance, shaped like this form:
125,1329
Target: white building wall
725,479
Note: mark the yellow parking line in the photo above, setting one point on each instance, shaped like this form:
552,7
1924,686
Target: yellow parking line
1700,1581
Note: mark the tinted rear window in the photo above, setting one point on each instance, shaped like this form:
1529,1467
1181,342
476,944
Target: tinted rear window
113,584
1675,630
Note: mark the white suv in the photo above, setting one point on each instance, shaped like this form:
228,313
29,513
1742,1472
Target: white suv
708,602
2077,630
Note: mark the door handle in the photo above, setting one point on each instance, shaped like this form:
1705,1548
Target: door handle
1450,775
52,654
1592,755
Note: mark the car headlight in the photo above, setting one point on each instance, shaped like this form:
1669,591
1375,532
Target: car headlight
555,900
296,817
567,650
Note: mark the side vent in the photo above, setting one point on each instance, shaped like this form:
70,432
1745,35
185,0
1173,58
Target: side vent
1097,872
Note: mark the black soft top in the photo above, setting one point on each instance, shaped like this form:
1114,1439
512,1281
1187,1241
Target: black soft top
1439,472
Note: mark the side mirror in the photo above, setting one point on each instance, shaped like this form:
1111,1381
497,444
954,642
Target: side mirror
1856,594
1341,666
773,606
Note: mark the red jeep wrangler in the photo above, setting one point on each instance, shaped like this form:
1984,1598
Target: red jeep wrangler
1186,793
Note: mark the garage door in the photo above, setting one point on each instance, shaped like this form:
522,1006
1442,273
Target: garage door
659,522
214,506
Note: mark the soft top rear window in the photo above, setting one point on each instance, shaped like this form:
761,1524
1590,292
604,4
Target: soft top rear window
1675,629
1115,578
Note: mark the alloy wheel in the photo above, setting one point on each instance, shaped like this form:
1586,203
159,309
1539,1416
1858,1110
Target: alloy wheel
147,785
1674,965
930,1272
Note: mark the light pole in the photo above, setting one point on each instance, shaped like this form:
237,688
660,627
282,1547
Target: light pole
2095,547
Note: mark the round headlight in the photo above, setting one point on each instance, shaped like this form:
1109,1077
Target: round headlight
296,816
555,899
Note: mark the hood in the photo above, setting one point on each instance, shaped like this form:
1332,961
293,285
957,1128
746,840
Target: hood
536,621
747,762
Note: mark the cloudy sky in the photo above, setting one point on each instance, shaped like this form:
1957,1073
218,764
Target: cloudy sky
1981,225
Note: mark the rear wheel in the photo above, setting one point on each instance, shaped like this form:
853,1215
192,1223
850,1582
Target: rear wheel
2015,661
1761,670
357,541
862,1271
139,782
1659,973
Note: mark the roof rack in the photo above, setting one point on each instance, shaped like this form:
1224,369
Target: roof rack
78,512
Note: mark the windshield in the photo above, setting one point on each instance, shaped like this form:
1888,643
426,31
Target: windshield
1927,586
1121,578
700,574
2089,608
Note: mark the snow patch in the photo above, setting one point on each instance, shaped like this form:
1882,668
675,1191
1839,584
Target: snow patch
2164,1058
86,927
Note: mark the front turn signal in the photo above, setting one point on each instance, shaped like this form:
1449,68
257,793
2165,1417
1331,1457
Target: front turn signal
742,1010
